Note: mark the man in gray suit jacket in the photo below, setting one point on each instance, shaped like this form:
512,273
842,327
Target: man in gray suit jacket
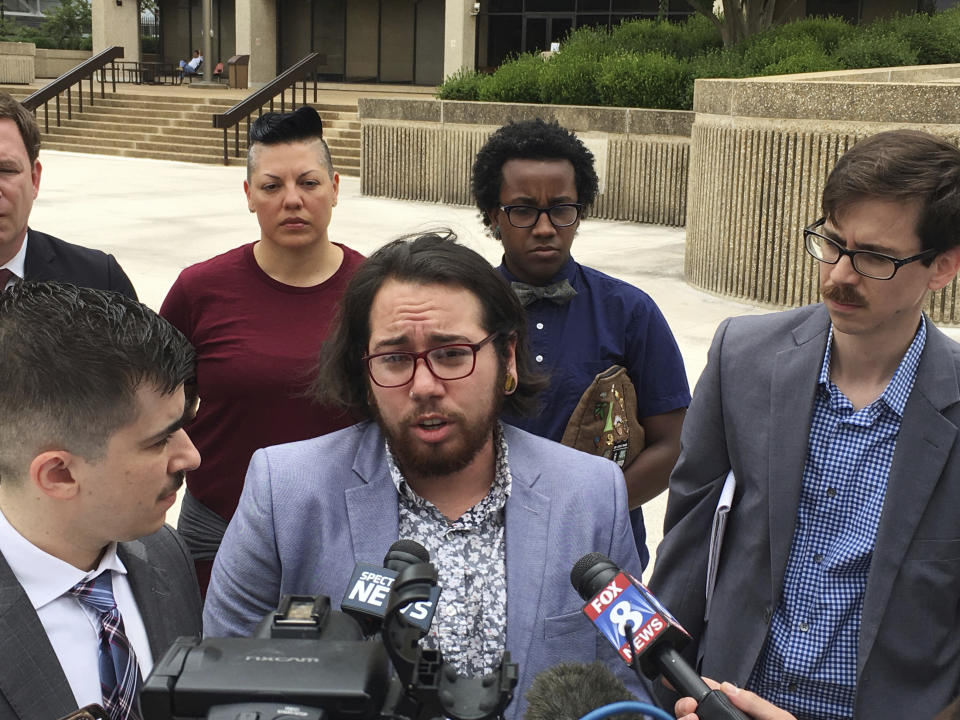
431,344
28,254
837,590
93,586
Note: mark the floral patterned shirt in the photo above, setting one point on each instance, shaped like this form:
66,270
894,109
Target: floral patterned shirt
470,625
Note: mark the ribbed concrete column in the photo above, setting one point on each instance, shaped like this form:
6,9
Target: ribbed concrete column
257,37
760,153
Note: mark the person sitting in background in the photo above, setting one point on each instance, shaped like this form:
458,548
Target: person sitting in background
532,181
192,66
95,390
257,316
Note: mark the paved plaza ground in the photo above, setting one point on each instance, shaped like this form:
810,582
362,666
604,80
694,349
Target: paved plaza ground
158,217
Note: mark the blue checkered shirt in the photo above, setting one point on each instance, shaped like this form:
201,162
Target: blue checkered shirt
809,661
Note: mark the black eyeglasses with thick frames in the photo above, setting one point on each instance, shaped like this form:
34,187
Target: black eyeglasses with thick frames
866,262
447,362
526,216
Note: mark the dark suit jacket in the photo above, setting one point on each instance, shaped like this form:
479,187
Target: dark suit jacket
751,412
32,683
49,258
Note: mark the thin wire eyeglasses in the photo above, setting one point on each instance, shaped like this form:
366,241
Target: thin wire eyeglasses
526,216
865,262
447,362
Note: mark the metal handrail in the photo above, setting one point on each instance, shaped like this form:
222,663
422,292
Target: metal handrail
77,75
267,95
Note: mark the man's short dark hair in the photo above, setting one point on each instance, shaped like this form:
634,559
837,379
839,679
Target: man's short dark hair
431,259
530,140
71,362
902,165
302,125
26,124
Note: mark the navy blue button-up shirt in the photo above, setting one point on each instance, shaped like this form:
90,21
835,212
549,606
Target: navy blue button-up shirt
609,322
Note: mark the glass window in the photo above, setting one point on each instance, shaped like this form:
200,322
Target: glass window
593,6
496,6
549,5
329,24
504,38
637,6
597,21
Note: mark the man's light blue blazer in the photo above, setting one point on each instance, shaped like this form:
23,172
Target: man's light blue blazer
311,510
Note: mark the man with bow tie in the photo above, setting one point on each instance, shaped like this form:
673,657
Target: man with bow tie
532,181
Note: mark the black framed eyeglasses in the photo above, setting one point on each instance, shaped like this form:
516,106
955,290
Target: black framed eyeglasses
866,262
526,216
447,362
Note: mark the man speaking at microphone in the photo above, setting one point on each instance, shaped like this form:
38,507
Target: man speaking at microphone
430,345
94,393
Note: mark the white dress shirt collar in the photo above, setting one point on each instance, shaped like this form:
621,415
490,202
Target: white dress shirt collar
18,262
45,578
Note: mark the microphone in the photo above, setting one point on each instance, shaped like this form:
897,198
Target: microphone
570,690
628,614
369,589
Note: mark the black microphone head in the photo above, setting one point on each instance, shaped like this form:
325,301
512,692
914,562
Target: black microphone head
571,690
592,573
403,553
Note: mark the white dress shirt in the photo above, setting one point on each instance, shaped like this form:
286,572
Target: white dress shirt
17,262
72,628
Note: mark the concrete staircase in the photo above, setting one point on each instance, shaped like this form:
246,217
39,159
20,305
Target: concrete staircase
174,127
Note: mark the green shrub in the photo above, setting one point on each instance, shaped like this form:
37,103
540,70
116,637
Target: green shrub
698,36
875,48
716,64
813,61
765,51
517,80
935,39
462,85
651,80
567,79
653,64
827,32
589,43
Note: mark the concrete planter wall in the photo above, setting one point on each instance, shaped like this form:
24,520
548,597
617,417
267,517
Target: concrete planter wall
761,150
17,62
54,63
424,150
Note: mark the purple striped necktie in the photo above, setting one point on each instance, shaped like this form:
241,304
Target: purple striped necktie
119,673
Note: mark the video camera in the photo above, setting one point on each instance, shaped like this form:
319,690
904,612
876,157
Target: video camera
307,661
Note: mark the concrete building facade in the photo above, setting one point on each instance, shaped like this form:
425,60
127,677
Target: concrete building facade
402,41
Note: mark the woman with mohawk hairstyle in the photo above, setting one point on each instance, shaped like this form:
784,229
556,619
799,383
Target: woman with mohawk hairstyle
257,315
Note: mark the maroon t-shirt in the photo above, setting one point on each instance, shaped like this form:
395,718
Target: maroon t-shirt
257,343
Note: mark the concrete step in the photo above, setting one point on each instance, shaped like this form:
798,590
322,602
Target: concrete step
180,128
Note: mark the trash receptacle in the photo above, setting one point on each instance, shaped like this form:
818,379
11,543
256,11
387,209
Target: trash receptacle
237,71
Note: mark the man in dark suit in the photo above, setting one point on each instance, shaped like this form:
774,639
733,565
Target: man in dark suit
26,253
94,393
838,583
